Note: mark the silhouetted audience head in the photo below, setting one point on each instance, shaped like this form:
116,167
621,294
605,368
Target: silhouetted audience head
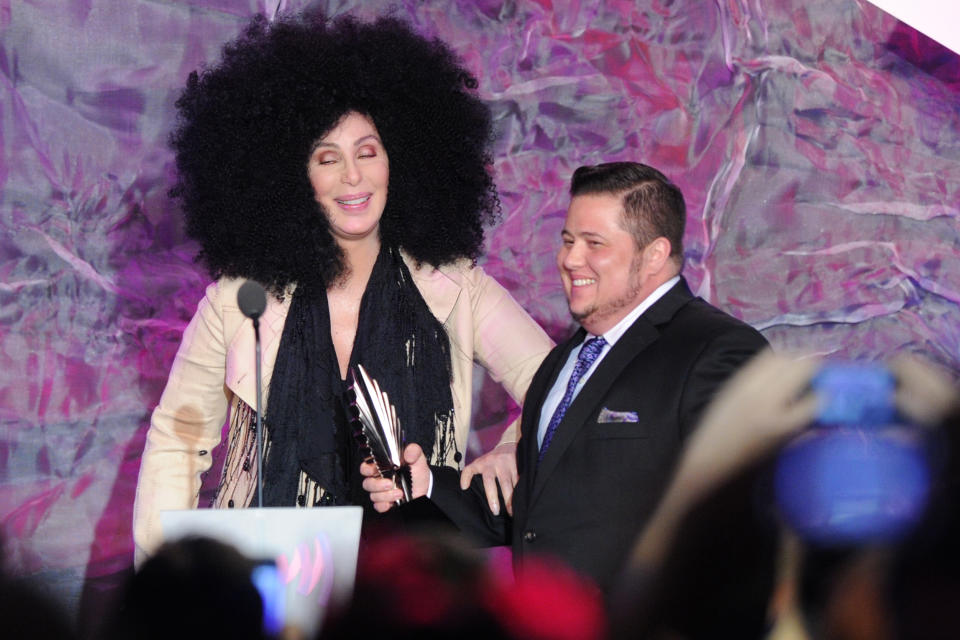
718,576
898,589
867,527
429,586
26,612
192,588
924,578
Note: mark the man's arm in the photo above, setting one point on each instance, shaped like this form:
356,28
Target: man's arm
467,509
721,358
470,509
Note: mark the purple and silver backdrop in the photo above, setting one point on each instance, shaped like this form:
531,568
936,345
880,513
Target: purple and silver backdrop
817,143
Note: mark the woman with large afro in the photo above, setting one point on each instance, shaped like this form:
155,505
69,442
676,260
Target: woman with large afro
343,165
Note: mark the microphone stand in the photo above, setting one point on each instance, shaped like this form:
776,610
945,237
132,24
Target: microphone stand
259,418
252,300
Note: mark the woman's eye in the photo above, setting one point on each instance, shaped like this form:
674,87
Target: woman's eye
367,153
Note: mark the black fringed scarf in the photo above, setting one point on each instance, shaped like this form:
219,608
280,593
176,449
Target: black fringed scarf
399,342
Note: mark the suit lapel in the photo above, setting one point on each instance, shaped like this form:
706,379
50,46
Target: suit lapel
533,405
638,337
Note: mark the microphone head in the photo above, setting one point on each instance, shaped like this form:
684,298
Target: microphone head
252,299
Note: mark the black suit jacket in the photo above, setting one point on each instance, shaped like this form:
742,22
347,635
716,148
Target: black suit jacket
599,481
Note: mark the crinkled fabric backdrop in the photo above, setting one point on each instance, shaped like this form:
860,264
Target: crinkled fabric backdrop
817,143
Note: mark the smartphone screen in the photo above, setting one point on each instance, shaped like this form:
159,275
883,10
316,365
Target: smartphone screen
858,473
266,577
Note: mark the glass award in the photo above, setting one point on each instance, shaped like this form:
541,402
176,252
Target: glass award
376,429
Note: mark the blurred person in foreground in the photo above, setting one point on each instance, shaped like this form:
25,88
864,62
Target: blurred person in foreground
193,588
698,553
607,413
27,613
429,585
345,166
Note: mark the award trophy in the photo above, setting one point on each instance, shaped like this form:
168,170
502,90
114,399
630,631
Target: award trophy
377,429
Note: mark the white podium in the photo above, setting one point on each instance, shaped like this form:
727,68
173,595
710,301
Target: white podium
314,552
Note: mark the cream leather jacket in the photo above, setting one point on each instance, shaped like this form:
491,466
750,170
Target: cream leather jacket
213,374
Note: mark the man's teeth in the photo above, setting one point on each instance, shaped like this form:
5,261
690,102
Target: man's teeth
581,282
354,201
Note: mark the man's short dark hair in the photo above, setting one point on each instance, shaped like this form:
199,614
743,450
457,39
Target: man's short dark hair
652,205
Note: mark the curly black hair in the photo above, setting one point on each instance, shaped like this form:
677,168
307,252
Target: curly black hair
247,125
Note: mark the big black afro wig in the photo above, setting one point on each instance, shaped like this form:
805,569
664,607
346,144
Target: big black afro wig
247,125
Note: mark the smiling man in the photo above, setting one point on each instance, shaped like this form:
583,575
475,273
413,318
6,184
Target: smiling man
607,412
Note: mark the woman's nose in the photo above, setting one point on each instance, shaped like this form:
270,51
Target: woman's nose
351,173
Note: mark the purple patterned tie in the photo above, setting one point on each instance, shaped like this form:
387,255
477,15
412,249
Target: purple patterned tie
588,354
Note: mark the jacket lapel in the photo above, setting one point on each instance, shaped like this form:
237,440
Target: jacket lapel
533,405
638,337
438,290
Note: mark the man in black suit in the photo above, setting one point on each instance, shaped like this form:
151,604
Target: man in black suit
600,433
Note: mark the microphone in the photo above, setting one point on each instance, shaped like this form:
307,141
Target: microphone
252,300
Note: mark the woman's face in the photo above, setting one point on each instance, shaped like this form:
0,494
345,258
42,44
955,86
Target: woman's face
349,172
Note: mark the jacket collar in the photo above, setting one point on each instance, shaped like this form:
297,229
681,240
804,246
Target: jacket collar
438,289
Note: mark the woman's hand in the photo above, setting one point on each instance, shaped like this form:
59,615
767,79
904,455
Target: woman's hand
498,466
383,493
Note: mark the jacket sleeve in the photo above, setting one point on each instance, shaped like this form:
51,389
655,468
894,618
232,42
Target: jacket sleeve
185,426
719,360
468,509
508,343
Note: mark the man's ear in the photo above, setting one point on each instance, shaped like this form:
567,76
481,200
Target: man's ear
657,254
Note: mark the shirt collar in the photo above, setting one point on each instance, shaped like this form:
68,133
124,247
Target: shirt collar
617,331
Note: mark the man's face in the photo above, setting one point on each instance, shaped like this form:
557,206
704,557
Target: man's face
600,265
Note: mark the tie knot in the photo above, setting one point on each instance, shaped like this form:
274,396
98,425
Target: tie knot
591,349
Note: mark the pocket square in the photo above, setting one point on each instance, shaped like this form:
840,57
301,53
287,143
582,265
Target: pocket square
606,415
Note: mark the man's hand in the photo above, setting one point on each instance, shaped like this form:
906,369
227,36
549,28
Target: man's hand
383,493
498,465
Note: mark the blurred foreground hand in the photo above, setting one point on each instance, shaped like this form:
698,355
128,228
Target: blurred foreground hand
765,404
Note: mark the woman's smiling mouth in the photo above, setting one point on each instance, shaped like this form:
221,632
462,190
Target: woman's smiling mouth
354,201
